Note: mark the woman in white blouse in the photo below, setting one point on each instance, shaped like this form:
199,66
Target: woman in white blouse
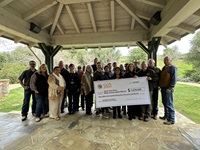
56,91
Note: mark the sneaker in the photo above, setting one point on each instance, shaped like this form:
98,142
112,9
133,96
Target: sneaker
163,118
114,116
24,118
130,118
168,123
37,119
105,116
146,118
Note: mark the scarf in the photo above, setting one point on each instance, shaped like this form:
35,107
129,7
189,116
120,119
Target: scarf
60,79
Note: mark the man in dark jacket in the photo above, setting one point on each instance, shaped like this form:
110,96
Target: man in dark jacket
151,65
151,77
64,73
24,80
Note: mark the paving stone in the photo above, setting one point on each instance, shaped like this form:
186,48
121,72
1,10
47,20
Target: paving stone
80,131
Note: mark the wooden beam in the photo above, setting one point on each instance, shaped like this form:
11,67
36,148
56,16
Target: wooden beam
156,3
67,2
132,23
2,33
60,28
187,28
143,15
5,2
174,36
58,12
196,14
39,9
46,24
16,26
112,5
72,18
163,42
132,11
30,45
92,16
17,39
110,38
174,13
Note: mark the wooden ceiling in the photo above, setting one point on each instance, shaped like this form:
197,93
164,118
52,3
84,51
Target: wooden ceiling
97,23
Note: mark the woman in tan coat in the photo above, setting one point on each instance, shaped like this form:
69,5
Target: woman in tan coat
56,91
88,88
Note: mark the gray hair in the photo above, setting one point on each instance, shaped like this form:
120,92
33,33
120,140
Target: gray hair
151,60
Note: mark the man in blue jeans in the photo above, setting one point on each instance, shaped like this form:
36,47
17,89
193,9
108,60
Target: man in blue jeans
24,80
167,83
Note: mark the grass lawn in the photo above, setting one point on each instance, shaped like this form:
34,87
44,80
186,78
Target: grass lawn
186,99
180,64
12,102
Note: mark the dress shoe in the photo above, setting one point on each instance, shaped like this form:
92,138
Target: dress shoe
37,119
140,118
162,118
24,118
168,123
146,118
155,117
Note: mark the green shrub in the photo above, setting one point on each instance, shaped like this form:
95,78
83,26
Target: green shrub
11,71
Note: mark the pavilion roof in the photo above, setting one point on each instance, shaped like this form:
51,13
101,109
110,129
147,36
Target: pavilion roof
97,23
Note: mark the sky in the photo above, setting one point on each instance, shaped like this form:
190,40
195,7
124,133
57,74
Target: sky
183,45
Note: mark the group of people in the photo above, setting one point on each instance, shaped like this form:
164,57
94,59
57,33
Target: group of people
50,92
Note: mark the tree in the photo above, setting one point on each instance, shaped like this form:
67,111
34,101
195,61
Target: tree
137,54
172,52
11,71
106,55
193,57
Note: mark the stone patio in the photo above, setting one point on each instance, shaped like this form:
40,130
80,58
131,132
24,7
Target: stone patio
81,132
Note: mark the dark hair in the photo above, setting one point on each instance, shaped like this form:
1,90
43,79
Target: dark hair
79,67
105,67
98,62
71,65
133,66
32,61
117,68
55,68
114,76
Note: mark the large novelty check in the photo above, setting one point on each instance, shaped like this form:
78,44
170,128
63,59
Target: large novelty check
130,91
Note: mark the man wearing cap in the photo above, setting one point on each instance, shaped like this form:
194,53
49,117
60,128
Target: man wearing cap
24,80
136,63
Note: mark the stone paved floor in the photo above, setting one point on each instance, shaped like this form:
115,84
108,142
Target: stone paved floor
81,132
